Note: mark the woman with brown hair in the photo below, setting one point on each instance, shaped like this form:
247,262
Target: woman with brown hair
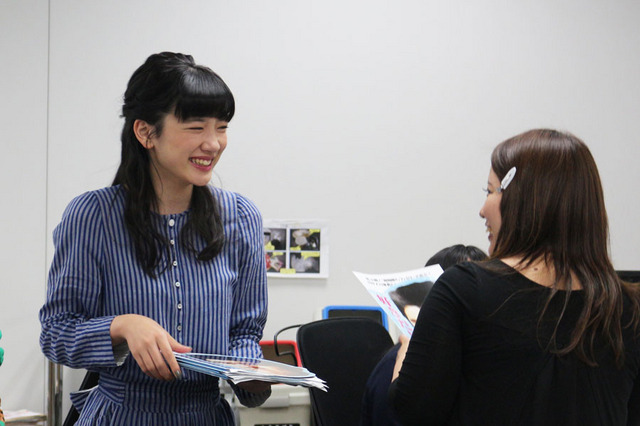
544,332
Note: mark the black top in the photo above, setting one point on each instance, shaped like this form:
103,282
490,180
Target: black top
478,356
375,405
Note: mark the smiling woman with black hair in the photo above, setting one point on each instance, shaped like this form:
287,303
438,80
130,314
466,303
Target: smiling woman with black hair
160,262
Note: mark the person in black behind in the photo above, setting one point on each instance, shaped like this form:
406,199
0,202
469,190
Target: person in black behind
375,406
545,332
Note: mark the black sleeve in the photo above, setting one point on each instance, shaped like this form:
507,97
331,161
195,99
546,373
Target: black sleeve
427,388
633,414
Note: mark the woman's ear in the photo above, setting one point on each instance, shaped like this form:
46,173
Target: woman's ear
143,132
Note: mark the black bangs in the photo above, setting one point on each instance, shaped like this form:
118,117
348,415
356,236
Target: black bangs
202,93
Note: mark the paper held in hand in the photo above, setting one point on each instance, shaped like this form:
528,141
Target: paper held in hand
401,294
238,370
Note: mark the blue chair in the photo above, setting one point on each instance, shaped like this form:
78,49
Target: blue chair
375,313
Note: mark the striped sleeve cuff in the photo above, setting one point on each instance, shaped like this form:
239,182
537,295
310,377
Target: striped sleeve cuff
120,353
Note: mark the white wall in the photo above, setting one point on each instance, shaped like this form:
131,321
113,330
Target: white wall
378,116
23,185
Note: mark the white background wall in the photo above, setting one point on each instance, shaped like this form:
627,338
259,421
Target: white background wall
23,194
377,116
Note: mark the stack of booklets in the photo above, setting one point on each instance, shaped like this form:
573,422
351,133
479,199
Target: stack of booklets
23,417
240,370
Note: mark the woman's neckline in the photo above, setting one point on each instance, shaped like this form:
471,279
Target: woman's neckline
534,273
166,215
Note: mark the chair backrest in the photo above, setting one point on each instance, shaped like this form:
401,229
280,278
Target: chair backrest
375,313
629,276
343,352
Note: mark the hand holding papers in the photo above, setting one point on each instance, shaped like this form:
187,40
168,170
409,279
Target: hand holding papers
401,294
240,370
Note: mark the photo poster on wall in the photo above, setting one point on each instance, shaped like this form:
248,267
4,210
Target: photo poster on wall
296,248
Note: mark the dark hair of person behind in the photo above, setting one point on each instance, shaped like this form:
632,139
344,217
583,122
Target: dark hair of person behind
168,83
411,294
455,254
415,293
554,210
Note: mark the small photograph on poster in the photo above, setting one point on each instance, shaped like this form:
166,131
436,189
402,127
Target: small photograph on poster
308,262
275,238
305,239
276,261
296,248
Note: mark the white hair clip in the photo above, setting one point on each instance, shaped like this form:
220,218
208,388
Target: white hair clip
507,179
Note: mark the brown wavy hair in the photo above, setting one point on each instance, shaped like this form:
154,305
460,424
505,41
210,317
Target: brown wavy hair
554,210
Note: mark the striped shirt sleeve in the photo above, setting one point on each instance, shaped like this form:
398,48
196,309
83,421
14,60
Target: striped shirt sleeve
74,331
249,311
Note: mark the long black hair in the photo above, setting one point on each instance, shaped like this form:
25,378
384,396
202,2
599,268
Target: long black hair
168,83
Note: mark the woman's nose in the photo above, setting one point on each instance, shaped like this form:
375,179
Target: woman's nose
211,142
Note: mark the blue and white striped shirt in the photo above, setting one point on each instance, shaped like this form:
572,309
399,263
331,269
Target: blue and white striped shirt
218,306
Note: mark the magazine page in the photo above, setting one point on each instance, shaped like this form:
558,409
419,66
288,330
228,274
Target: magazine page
23,417
401,294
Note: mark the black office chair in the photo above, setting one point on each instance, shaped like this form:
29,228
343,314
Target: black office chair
90,380
343,352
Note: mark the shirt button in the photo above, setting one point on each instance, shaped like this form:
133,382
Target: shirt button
173,242
179,305
179,328
177,284
175,263
172,222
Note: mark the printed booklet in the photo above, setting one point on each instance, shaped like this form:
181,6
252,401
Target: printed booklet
238,370
401,294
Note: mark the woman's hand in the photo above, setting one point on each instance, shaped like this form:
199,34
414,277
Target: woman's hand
404,344
151,345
